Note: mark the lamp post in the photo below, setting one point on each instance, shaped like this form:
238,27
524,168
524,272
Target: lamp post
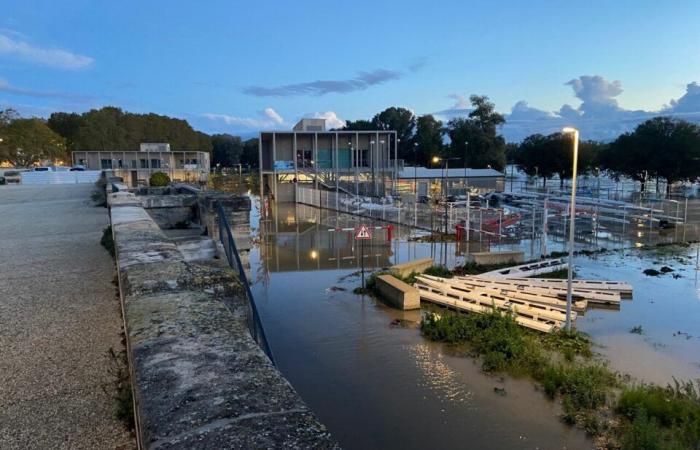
415,170
572,221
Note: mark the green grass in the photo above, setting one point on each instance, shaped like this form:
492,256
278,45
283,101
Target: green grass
665,417
592,396
119,387
439,271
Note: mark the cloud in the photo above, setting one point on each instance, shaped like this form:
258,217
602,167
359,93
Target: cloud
689,102
417,64
596,94
362,81
267,118
6,86
12,44
599,116
332,119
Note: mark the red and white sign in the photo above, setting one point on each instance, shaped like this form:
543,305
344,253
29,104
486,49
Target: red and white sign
362,233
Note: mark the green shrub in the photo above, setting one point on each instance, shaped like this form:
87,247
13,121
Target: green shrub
439,271
584,386
159,179
675,408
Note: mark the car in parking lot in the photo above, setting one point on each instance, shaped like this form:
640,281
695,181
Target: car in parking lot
12,176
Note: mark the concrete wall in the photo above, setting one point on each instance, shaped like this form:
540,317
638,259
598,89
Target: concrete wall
200,380
496,257
87,176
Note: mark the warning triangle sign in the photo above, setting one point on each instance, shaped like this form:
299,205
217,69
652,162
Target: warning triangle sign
362,232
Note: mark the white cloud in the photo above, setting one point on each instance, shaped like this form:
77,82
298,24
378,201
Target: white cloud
12,45
461,102
332,119
267,118
599,116
272,114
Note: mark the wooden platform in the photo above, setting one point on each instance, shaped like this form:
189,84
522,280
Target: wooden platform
528,270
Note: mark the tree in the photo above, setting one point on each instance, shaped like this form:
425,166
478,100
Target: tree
428,140
250,156
7,116
660,147
545,156
66,125
28,141
226,150
358,125
475,139
401,120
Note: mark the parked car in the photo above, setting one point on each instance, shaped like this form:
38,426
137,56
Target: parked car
42,169
77,169
12,176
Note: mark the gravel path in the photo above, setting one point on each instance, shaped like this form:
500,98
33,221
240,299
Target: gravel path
58,318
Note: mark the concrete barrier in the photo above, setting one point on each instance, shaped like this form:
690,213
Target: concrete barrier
200,380
418,266
397,293
496,257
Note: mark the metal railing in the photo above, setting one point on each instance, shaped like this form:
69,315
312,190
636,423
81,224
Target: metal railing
234,260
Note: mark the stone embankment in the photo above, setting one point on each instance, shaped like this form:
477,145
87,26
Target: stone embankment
200,380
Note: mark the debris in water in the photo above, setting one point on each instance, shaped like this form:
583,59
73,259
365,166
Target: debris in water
652,273
636,330
666,269
500,391
336,288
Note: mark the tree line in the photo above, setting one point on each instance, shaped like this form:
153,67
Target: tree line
660,148
474,140
27,140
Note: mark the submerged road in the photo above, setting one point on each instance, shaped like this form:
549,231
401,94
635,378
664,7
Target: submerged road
59,316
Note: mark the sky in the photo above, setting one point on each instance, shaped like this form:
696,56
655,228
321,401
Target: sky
241,67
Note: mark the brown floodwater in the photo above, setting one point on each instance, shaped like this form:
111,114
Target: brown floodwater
375,384
370,376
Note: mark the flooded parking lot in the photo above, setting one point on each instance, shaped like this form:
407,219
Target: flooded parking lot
368,373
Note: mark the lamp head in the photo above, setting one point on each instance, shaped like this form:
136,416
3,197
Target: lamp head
436,159
569,130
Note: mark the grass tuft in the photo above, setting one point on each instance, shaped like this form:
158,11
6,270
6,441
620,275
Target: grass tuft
107,241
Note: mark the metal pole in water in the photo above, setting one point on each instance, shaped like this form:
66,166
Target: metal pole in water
570,271
362,261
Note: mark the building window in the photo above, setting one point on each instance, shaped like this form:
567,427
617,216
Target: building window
133,163
144,163
105,164
155,164
120,164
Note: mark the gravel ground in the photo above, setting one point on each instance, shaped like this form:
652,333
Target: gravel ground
58,318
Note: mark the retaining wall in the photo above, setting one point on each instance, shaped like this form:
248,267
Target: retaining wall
200,380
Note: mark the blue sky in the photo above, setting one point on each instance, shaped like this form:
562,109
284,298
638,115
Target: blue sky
230,66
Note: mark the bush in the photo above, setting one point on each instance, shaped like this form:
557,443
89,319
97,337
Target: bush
585,387
159,179
439,271
675,408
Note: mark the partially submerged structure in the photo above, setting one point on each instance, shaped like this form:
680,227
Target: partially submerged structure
355,162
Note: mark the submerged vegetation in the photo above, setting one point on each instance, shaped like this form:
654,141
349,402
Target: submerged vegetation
592,396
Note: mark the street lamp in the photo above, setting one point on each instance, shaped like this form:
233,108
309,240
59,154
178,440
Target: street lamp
415,170
572,221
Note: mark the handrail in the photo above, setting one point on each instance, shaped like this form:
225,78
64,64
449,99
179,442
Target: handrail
252,316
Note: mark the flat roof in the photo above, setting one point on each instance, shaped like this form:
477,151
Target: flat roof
458,172
327,131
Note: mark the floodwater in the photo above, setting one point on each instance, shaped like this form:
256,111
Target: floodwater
370,376
374,383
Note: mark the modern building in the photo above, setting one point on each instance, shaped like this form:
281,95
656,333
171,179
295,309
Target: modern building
453,181
356,162
136,167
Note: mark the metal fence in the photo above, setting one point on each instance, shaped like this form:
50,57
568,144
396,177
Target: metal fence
234,260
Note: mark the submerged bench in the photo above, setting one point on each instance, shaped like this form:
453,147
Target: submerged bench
397,293
417,265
